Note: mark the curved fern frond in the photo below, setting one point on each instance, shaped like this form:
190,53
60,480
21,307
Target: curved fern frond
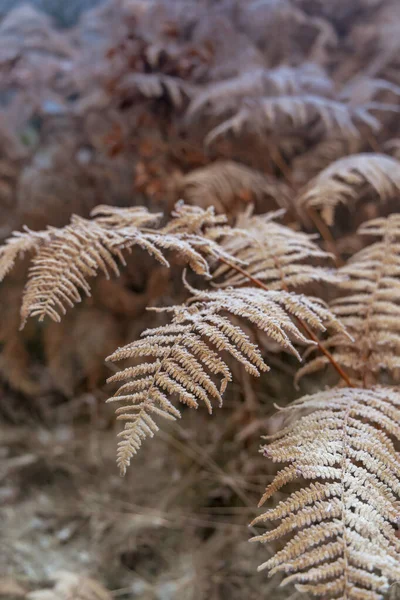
113,216
222,184
181,357
225,95
342,524
370,308
278,256
348,180
290,114
67,257
19,244
309,164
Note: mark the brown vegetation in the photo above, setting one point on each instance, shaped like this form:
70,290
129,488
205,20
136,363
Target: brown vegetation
233,167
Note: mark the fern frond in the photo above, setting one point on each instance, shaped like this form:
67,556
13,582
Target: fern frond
19,244
156,85
222,184
185,354
365,89
187,219
291,114
370,308
278,256
113,216
309,164
343,522
348,180
225,95
70,586
66,258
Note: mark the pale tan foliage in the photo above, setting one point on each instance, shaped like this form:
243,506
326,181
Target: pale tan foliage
370,308
155,85
180,357
347,180
291,114
274,254
19,244
219,97
70,586
310,163
225,184
67,257
365,89
343,524
193,220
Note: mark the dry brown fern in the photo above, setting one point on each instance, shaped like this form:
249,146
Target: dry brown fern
220,97
66,258
309,164
343,525
278,256
181,356
192,220
69,586
347,181
291,114
225,184
366,89
369,308
21,243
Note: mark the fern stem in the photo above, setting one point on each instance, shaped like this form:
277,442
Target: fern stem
280,162
326,235
344,465
304,325
373,142
372,299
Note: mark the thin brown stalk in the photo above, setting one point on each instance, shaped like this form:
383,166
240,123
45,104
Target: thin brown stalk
306,328
280,162
326,235
373,142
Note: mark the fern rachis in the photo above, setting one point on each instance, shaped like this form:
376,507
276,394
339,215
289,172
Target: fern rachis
274,254
268,259
369,308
